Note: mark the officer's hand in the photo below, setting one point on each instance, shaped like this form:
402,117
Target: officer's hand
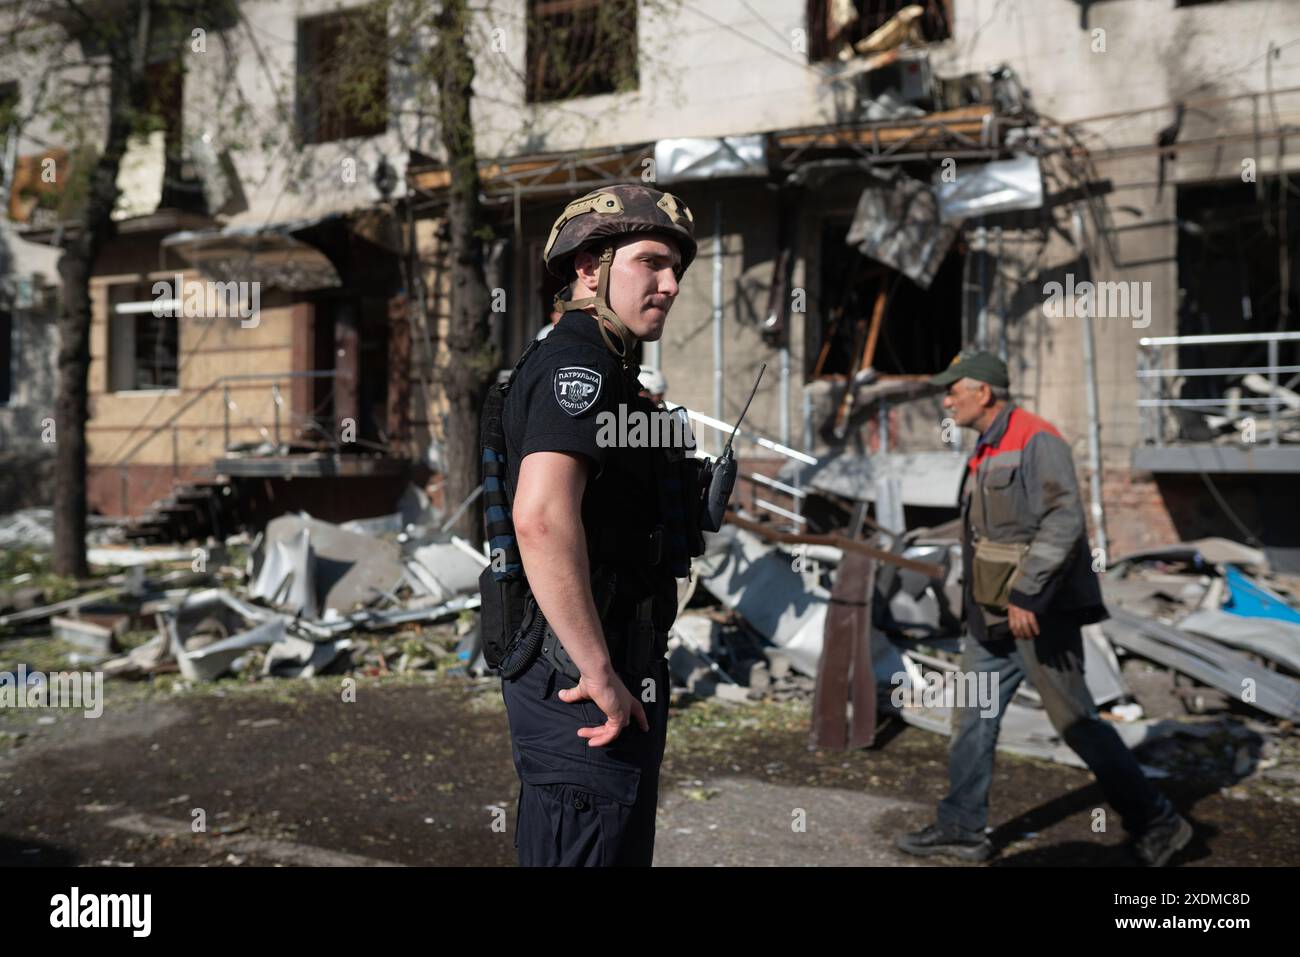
612,697
1024,624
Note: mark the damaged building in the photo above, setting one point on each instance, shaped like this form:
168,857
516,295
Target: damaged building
912,179
874,186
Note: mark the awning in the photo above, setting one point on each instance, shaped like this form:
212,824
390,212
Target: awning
271,255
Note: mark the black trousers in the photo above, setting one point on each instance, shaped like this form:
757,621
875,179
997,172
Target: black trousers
581,806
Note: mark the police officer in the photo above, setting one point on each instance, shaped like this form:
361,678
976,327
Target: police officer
598,531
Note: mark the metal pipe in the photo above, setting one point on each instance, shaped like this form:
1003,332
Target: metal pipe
790,490
807,422
799,495
717,311
1231,370
1216,339
460,509
1094,415
785,391
1197,403
778,510
754,437
982,314
1272,379
997,290
276,402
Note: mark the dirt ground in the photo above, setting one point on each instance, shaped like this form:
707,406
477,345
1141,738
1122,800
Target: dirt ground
417,771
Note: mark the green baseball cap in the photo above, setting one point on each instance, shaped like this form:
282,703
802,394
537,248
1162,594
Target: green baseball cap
984,366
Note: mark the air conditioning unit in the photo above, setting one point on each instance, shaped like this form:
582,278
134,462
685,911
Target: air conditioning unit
906,78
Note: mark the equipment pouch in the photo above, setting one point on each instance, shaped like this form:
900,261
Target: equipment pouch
995,567
501,613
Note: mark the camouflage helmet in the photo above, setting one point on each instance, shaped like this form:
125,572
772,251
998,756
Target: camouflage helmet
614,211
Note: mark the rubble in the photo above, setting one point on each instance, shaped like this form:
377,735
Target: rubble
287,577
766,614
309,592
760,583
91,636
1208,662
348,568
1206,614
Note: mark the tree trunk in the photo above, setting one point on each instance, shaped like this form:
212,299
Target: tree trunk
474,359
75,266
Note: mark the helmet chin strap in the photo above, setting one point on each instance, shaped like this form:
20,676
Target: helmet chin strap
605,312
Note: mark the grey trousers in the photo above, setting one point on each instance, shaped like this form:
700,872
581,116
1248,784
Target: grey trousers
1053,662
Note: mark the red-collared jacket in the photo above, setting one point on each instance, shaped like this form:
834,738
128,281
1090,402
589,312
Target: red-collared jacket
1021,487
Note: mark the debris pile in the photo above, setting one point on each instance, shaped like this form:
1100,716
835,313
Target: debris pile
878,621
1201,654
309,597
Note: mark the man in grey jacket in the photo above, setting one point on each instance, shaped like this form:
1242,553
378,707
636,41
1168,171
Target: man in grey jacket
1028,587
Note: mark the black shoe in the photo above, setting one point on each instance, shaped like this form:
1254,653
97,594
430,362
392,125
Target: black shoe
1158,843
938,839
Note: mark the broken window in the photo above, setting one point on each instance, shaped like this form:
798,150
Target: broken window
165,83
342,75
142,347
580,48
835,25
1237,275
873,316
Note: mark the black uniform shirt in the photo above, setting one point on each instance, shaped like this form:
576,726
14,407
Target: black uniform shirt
555,405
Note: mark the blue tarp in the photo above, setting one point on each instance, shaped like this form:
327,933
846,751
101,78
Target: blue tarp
1249,599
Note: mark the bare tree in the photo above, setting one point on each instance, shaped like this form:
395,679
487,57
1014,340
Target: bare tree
116,40
565,57
473,357
90,62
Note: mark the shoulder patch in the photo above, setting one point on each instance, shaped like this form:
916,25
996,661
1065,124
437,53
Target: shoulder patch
577,388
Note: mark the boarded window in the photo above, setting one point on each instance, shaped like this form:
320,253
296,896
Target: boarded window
580,48
342,76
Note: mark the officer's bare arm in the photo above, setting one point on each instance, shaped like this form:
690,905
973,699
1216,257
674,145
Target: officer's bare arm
547,514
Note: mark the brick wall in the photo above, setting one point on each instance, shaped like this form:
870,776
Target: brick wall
1136,513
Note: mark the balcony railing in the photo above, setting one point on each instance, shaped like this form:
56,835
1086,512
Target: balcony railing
1157,383
267,420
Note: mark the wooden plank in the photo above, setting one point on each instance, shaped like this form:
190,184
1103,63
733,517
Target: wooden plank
877,319
862,682
844,673
831,698
966,120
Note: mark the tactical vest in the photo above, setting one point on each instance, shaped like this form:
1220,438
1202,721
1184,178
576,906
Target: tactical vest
513,629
